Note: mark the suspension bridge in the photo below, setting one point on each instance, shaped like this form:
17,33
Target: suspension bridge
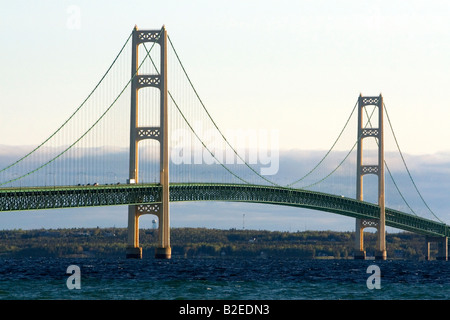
114,149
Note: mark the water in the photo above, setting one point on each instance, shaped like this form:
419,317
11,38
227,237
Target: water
223,279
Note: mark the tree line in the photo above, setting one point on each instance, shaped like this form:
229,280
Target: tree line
203,242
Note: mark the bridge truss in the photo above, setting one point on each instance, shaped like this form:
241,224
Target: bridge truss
33,198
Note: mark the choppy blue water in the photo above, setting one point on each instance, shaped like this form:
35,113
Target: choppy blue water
237,279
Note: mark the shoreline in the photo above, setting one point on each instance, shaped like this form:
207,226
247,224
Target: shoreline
203,242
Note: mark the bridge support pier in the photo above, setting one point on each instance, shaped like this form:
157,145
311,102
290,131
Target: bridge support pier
163,253
442,243
359,252
359,255
380,255
134,251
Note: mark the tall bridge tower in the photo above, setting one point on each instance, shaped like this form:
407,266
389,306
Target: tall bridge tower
160,133
376,169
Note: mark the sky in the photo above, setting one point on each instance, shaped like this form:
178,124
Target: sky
292,66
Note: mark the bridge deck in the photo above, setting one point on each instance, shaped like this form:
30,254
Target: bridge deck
37,198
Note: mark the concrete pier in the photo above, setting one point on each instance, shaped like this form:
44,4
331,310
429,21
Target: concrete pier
442,243
134,253
163,253
359,255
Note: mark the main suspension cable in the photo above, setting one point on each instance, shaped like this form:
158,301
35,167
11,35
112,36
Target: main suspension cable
192,129
87,131
343,160
326,155
73,114
407,169
391,176
213,122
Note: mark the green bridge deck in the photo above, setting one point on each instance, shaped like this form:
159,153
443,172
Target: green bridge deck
37,198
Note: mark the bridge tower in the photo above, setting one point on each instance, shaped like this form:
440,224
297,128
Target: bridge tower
376,169
160,133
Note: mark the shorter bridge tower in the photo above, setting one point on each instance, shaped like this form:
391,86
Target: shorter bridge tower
160,133
376,169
